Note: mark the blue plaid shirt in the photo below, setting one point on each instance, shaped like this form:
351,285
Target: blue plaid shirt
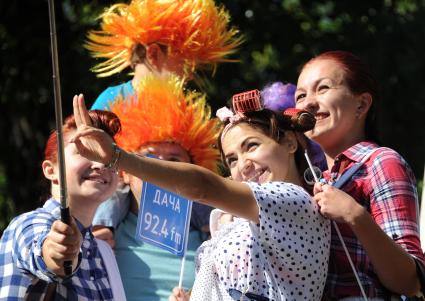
23,273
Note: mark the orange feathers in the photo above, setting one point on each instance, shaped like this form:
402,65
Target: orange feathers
195,31
164,111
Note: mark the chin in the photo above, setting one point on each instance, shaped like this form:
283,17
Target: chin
317,135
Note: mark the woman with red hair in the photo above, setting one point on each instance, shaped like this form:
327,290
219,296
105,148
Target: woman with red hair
377,210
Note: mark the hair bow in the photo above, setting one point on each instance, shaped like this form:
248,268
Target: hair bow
226,115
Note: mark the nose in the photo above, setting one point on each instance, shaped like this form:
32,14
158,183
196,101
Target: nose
309,104
98,166
246,166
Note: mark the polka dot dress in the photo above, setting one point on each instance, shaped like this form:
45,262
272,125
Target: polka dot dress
284,257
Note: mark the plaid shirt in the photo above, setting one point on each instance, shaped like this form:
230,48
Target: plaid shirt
23,273
385,186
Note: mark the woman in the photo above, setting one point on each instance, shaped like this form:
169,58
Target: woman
35,245
377,210
278,250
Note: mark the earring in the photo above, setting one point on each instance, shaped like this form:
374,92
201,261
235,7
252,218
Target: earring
309,177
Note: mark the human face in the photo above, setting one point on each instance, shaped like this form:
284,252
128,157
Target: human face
163,150
86,180
322,90
253,156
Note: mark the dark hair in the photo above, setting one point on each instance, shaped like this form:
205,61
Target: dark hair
275,125
138,53
359,79
104,120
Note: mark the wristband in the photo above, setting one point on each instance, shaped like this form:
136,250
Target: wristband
115,157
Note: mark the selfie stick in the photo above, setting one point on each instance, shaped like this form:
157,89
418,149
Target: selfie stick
185,246
65,217
338,232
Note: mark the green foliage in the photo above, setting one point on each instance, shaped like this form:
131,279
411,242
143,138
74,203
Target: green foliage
280,35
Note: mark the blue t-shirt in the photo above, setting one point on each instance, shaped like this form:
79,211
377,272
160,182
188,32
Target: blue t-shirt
110,94
150,273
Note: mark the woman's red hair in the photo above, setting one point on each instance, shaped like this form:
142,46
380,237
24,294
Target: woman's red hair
359,79
104,120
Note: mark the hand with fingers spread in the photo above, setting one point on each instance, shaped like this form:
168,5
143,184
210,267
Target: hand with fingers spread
62,244
336,204
91,142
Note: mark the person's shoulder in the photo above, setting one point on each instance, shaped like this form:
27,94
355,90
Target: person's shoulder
278,188
387,164
387,156
46,214
29,222
108,95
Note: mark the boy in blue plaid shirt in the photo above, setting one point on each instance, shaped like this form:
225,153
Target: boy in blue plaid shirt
35,245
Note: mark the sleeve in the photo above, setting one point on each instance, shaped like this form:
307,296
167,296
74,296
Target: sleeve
112,211
27,247
394,201
103,100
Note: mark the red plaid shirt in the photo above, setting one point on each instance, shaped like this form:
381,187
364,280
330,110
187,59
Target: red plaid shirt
386,186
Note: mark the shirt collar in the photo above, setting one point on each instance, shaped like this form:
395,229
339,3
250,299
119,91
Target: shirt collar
53,206
357,151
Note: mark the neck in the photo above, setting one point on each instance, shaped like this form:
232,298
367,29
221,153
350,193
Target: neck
293,175
81,209
333,150
140,71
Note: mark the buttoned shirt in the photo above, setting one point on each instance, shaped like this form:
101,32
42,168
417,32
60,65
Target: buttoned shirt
24,274
386,187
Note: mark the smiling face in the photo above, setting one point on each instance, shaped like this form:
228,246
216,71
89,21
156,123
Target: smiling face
87,181
340,114
162,150
253,156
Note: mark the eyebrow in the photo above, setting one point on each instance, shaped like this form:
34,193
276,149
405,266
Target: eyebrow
244,142
314,83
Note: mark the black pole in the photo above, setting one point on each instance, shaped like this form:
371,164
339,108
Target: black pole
65,216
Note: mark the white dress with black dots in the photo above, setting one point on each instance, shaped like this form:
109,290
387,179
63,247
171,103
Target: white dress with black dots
284,257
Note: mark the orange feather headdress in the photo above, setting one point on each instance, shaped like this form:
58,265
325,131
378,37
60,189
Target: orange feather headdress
166,112
194,31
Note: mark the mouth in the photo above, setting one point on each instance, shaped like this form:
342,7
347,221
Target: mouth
95,178
320,116
260,176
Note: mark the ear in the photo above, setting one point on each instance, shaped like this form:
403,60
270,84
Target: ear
363,105
155,56
126,178
50,171
290,140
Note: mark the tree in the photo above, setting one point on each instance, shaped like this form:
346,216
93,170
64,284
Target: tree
280,36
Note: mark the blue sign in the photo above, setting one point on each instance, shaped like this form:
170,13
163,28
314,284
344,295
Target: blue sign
164,219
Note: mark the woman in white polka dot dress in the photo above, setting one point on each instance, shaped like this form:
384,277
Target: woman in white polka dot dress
278,246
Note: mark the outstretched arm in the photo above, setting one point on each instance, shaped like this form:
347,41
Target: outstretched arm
189,180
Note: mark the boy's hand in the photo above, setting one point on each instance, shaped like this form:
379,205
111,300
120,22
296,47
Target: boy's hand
62,244
104,233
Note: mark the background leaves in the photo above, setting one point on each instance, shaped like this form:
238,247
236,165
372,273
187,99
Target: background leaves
280,36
